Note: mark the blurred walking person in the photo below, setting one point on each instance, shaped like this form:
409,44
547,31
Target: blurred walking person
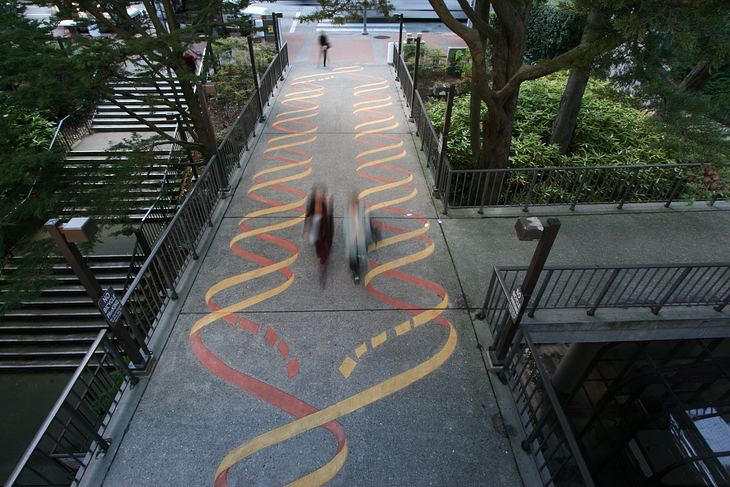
324,44
319,226
358,236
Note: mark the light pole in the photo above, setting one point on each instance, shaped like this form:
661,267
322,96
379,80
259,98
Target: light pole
527,228
65,237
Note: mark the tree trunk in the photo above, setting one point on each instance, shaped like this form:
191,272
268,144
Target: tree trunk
497,135
475,125
567,117
697,78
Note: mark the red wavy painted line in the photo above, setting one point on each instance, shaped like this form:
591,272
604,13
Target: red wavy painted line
272,395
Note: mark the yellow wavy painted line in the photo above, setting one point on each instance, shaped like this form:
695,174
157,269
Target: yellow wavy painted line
325,473
234,308
394,264
247,276
342,408
400,238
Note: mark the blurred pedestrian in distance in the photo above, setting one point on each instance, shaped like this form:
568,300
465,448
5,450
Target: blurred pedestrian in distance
358,236
319,226
324,44
190,61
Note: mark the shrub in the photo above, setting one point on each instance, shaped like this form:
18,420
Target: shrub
552,30
610,131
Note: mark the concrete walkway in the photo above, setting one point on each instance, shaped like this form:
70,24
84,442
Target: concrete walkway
381,383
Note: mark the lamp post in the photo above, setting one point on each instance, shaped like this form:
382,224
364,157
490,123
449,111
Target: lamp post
65,237
527,228
255,74
275,17
444,140
400,36
415,74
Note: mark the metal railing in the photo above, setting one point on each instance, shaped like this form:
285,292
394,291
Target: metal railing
143,304
156,217
549,437
74,429
236,140
571,186
72,128
628,286
547,186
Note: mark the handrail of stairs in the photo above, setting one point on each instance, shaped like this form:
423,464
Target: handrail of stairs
71,128
142,304
75,426
80,127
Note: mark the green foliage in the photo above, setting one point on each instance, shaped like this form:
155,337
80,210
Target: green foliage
235,77
611,131
37,73
28,169
552,30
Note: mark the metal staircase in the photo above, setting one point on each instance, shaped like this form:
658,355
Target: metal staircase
56,330
140,99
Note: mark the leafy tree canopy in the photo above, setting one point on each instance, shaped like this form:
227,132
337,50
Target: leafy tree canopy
498,52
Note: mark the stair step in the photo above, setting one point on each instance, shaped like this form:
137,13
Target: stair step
28,313
66,363
84,336
130,128
60,327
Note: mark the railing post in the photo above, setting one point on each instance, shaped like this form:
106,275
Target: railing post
445,134
674,192
629,188
663,301
484,191
529,191
188,235
400,36
482,314
600,297
415,75
720,307
537,428
487,181
256,79
166,275
275,21
109,344
445,197
580,189
548,276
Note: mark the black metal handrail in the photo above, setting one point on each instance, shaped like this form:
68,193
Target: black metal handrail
546,186
72,128
591,287
155,218
142,305
74,428
549,437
